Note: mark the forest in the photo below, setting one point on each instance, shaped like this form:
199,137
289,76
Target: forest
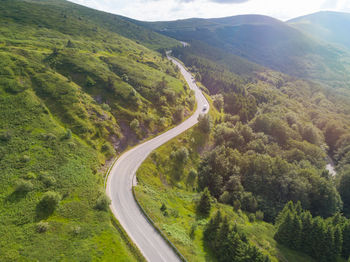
266,148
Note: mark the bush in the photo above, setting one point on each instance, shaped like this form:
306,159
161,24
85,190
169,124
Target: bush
106,107
180,155
42,227
164,210
103,202
193,231
50,200
30,176
178,115
191,178
135,125
68,134
218,101
90,82
5,136
259,215
47,180
24,186
76,230
237,205
25,159
204,123
251,218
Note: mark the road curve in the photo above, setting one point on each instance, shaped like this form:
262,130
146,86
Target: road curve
122,178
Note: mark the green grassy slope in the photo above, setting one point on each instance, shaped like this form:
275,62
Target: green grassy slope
35,151
72,19
73,94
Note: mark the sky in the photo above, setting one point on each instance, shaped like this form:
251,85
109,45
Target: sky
165,10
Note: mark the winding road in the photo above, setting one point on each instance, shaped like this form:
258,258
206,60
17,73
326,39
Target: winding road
122,178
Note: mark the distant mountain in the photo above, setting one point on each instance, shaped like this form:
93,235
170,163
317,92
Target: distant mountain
329,26
265,41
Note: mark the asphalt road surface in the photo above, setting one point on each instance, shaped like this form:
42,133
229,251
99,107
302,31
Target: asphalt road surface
122,178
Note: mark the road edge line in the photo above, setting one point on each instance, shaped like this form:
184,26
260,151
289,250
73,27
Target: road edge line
156,228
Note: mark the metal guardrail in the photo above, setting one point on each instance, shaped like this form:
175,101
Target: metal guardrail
158,230
144,212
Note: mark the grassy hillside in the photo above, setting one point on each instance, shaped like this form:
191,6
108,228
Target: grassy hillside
74,93
328,26
72,19
268,42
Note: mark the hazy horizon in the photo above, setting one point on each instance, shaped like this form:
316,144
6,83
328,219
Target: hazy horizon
168,10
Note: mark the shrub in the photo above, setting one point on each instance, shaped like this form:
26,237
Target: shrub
42,227
103,202
107,149
47,180
90,82
106,107
251,217
76,230
25,159
135,125
50,200
191,178
164,210
218,101
23,186
178,115
5,136
68,134
259,215
204,123
237,205
180,155
30,175
193,231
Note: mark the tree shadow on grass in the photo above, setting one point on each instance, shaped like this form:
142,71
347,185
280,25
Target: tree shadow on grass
42,211
15,196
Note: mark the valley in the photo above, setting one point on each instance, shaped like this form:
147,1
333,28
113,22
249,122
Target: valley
233,146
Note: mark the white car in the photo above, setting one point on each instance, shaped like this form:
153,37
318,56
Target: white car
205,107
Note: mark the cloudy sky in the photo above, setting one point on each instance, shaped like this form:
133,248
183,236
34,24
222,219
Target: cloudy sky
156,10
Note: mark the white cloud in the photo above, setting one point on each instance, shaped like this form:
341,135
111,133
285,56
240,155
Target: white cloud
155,10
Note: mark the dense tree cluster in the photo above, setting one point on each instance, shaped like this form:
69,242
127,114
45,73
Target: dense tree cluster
258,181
228,244
324,240
271,145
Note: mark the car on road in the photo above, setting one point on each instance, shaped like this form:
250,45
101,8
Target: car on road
205,107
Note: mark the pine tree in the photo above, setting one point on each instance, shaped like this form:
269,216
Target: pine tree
318,235
204,204
233,248
328,245
306,235
338,241
295,231
298,208
288,208
222,234
212,228
254,255
346,240
283,234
